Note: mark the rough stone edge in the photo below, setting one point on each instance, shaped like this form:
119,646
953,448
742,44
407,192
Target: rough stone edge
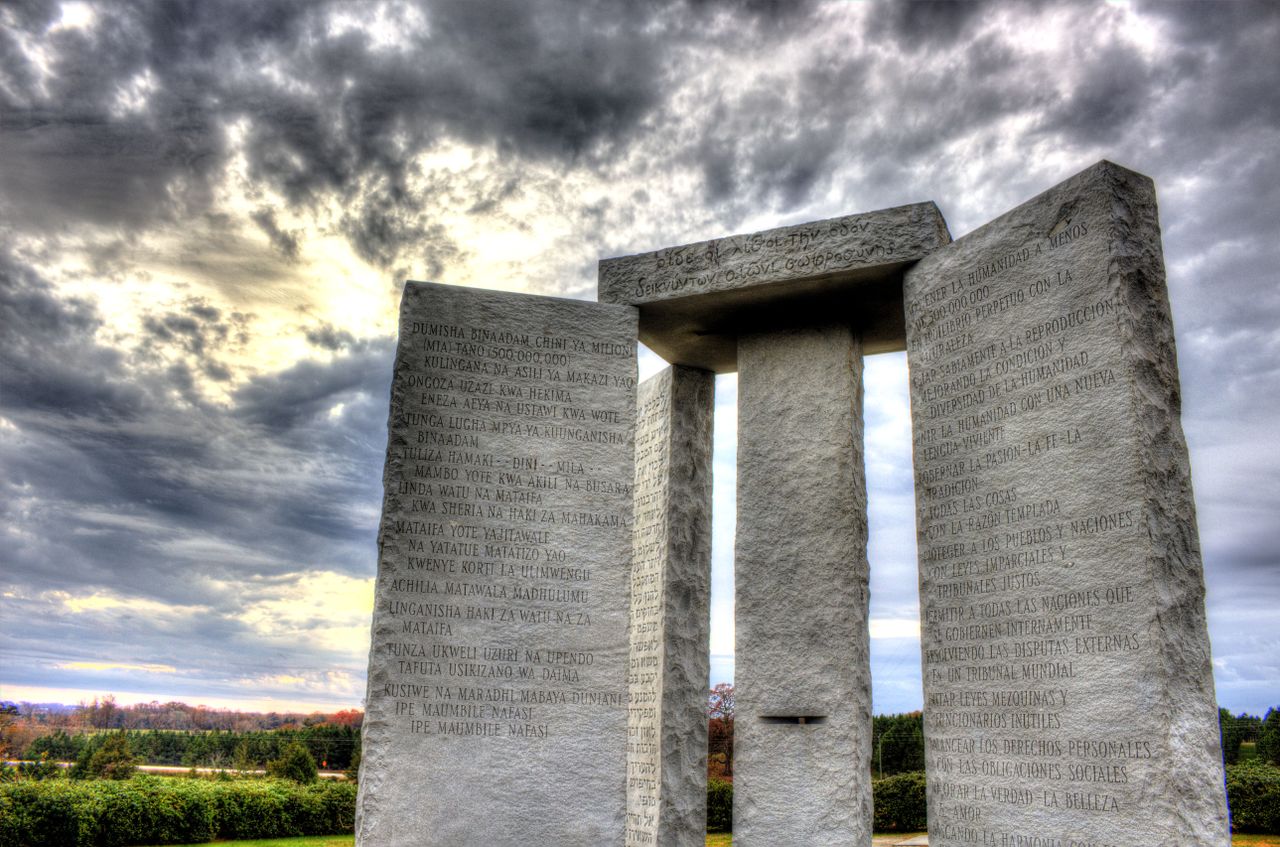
686,659
1194,796
614,267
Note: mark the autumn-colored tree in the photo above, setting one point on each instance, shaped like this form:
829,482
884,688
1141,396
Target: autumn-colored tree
720,732
347,717
720,702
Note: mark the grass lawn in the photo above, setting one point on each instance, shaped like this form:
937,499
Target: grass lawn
304,841
721,839
725,840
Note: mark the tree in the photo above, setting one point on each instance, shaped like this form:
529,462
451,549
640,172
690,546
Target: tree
12,744
112,759
295,763
897,743
720,703
720,732
353,770
1269,737
102,713
1233,732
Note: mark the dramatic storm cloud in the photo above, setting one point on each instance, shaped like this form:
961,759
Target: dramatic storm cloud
207,210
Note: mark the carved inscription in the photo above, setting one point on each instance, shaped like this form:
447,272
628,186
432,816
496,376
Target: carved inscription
500,621
885,238
809,250
1033,592
482,527
648,571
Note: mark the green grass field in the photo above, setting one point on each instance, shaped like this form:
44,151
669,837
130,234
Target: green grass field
723,839
305,841
1255,841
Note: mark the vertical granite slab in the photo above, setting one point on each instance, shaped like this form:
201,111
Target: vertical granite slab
670,613
1068,689
802,678
496,710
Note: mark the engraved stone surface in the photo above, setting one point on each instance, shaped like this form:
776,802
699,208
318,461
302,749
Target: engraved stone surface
496,710
670,592
802,730
1068,690
696,299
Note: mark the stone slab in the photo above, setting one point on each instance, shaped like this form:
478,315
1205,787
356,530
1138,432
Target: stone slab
802,728
697,298
496,710
1068,687
670,612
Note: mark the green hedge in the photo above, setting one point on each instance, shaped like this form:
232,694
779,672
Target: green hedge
156,810
1253,793
719,805
899,803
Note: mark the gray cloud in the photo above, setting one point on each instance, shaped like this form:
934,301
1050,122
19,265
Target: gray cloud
924,24
125,479
285,242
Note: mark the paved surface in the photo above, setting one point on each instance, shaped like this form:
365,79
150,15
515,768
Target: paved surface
900,840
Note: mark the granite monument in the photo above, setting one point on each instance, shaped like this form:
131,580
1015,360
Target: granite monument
539,664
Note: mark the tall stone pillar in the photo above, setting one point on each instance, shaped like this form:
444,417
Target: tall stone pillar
496,709
670,626
1067,678
803,680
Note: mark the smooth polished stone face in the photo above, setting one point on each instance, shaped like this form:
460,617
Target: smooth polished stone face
670,593
1068,687
497,700
696,299
802,729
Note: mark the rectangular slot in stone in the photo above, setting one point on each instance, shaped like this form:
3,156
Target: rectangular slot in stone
497,702
1068,688
801,720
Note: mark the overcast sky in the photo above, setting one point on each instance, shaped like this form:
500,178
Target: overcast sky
208,208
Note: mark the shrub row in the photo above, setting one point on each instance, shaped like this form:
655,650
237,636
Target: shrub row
899,803
1253,793
719,805
156,810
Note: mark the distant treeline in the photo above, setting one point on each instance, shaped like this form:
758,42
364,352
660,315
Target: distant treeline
1241,729
105,713
897,743
331,745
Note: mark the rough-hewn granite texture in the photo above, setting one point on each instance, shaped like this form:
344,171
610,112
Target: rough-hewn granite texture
496,709
670,592
697,298
803,685
1068,689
